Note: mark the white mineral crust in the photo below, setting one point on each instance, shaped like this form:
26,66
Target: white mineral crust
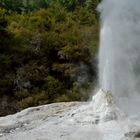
99,119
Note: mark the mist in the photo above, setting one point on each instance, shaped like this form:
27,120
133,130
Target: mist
119,54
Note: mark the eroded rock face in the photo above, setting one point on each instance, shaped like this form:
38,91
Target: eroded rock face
99,119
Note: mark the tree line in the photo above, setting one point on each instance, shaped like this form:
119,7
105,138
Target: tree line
48,52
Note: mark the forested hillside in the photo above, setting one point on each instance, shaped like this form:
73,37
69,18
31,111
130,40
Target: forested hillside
48,52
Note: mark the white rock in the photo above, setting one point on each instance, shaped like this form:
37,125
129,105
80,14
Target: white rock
99,119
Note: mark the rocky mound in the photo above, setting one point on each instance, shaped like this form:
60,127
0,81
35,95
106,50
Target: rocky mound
101,109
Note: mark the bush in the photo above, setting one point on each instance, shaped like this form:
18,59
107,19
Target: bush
27,102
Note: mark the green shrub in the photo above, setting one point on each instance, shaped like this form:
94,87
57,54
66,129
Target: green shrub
27,102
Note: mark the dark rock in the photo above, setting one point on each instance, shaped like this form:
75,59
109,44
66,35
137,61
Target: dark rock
133,134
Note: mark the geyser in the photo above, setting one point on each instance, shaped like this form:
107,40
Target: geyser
100,119
119,54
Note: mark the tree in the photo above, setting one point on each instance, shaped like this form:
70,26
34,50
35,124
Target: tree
47,55
68,4
13,5
28,6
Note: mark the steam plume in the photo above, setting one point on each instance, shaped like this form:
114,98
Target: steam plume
119,55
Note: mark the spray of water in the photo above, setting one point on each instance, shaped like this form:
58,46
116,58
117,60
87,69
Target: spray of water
119,55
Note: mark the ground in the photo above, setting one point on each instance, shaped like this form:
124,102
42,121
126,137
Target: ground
99,119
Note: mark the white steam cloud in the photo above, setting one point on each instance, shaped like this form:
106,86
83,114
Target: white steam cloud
119,55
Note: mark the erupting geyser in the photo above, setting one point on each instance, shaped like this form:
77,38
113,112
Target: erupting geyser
119,55
105,117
